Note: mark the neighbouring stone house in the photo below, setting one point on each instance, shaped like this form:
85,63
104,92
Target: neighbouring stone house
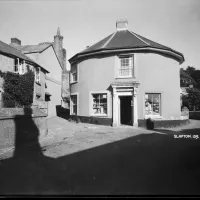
52,56
13,60
126,79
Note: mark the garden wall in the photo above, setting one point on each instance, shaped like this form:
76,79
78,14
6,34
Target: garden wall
25,124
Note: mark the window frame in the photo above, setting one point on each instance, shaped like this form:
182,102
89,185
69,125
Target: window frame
37,76
74,66
91,103
158,116
77,104
119,66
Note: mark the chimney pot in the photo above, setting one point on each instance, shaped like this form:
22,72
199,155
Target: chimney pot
15,41
122,24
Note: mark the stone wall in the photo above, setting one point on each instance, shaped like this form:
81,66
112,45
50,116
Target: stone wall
25,123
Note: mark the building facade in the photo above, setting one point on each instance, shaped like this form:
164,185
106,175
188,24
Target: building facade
125,79
52,56
12,60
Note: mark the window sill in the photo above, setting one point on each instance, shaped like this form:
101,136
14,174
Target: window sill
38,83
73,114
153,117
74,82
98,115
118,77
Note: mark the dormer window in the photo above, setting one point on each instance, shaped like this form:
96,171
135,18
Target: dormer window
125,68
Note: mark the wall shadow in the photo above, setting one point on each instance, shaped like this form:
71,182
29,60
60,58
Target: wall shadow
26,136
146,164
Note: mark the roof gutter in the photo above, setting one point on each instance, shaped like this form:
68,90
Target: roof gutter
179,58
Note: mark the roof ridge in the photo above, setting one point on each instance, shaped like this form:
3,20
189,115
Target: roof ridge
106,43
138,37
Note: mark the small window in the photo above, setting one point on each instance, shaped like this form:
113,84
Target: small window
152,104
16,66
74,74
73,104
99,104
126,67
37,75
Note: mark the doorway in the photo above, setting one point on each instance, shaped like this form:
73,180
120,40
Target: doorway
126,110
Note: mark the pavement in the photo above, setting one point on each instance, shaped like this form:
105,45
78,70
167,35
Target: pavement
87,159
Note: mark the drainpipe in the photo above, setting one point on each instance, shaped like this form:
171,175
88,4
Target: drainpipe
115,108
135,106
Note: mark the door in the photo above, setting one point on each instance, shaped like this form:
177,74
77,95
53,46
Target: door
126,110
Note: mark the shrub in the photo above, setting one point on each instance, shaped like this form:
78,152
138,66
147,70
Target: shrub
18,89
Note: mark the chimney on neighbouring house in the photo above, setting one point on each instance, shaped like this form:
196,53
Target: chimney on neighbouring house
15,41
122,25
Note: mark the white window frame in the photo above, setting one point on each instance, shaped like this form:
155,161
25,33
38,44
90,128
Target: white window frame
155,116
20,66
91,103
37,76
75,70
130,57
71,104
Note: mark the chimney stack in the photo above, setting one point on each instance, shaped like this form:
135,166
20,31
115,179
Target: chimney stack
15,41
122,25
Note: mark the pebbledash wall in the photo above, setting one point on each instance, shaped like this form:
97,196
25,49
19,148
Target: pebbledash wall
53,80
18,121
6,63
156,74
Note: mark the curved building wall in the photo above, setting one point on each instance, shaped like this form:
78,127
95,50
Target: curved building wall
94,75
156,74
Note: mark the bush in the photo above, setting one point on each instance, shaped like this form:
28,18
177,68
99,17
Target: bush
18,89
192,99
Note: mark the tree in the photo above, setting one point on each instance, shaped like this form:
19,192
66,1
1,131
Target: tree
192,99
190,70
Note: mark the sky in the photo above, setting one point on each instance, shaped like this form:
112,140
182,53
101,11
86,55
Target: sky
173,23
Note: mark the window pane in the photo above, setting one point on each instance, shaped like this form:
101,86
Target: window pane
99,103
156,104
74,104
126,67
75,109
152,104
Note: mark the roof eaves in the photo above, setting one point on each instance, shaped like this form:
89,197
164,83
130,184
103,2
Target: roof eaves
176,55
46,48
57,58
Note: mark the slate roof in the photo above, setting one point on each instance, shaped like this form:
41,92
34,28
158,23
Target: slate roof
127,40
32,48
26,49
9,50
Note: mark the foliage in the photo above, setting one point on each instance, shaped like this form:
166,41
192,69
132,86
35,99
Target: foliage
191,74
18,89
192,100
190,70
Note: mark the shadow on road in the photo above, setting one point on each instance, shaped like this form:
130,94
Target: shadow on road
146,164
